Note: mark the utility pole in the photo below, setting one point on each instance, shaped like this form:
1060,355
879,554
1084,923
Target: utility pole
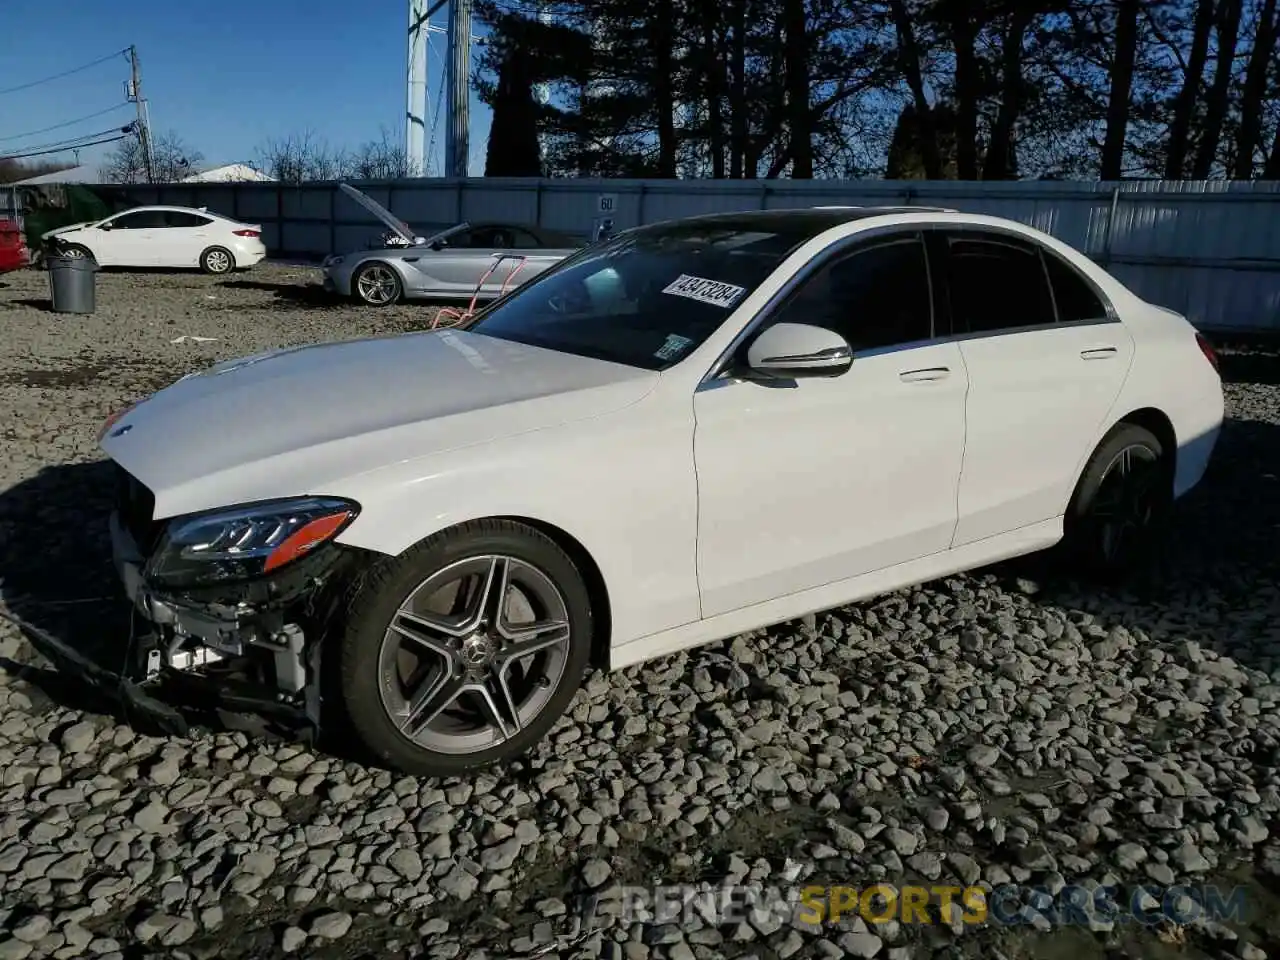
144,121
456,148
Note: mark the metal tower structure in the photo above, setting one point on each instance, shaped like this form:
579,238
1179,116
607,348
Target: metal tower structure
415,135
456,92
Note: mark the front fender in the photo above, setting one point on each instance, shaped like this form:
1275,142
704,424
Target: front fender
623,487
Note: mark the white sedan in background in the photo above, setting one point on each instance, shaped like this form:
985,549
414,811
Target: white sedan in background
159,236
690,430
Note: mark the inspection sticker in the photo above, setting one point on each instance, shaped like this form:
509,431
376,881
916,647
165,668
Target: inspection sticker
674,346
705,291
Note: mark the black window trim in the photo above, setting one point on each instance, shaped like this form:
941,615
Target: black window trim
720,372
116,218
1032,244
202,219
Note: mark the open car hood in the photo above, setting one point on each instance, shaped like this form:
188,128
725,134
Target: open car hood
382,213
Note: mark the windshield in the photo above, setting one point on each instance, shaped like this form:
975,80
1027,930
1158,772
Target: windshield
647,298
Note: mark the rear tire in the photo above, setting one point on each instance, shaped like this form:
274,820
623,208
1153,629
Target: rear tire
217,261
438,675
1120,505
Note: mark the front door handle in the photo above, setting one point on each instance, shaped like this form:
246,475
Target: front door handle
1099,353
924,374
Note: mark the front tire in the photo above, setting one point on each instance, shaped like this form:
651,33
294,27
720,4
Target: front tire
1120,504
217,261
464,651
76,251
377,285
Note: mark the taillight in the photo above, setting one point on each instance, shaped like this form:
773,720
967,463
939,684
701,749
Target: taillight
247,233
1207,349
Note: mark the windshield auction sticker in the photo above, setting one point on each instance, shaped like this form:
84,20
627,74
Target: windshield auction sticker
673,347
714,292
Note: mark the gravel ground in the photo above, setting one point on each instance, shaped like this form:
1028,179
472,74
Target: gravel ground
1011,724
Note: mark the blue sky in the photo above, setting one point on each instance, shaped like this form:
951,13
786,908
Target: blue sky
224,78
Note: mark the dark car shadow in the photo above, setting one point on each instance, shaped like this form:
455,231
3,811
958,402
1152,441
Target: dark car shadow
34,303
292,294
1253,366
56,575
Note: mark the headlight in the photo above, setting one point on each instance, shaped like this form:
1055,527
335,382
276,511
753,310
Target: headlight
240,543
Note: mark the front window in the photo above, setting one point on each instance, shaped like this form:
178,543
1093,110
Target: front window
647,298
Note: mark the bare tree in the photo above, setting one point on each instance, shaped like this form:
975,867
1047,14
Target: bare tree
172,159
380,159
305,157
300,157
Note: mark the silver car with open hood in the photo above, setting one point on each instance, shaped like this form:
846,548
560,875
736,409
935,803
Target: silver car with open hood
480,260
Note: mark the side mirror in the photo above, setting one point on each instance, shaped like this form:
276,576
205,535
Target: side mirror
791,350
436,244
106,226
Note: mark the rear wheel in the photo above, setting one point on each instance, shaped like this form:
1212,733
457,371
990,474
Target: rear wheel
217,260
466,650
1120,504
377,285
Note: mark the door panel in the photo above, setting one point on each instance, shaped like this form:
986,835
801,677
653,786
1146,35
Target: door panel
803,483
832,478
133,239
445,272
1037,405
1040,390
184,238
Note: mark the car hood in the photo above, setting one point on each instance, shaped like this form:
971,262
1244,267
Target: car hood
67,229
297,421
390,220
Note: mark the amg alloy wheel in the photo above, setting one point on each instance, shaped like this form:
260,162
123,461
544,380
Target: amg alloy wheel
377,285
465,651
1121,502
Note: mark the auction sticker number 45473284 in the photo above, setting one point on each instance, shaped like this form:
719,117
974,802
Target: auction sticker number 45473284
704,291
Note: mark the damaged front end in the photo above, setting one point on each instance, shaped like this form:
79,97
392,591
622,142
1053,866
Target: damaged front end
230,607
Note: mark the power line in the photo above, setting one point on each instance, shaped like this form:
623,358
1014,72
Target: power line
75,143
67,123
67,149
65,73
72,142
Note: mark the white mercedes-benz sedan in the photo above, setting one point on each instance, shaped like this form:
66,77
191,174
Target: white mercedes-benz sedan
693,429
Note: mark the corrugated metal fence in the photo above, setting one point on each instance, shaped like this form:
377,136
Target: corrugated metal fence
1210,249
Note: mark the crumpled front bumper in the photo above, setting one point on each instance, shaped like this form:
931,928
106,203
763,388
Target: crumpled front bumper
247,655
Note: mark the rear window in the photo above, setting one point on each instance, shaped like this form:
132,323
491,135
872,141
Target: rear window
647,298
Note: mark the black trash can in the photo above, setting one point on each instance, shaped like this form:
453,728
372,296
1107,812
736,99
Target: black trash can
72,283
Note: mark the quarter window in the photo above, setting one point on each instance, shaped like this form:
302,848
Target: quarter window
178,218
877,296
996,284
1074,297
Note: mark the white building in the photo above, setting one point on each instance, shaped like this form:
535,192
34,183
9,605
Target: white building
231,173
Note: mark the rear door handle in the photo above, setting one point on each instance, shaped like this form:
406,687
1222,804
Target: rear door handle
1099,353
924,374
